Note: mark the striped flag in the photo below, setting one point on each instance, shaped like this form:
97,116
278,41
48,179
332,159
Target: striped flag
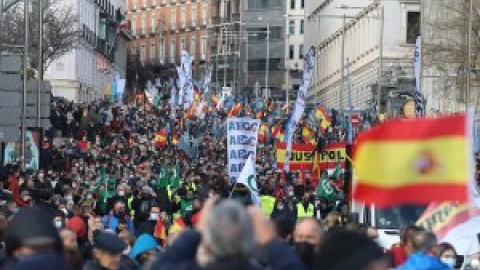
413,161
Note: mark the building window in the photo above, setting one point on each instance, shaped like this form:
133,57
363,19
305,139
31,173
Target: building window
152,50
194,13
302,5
144,22
153,3
291,52
292,4
144,3
172,51
204,13
133,24
182,43
203,48
173,18
143,49
265,4
183,16
161,52
291,27
302,27
193,46
300,51
153,21
413,26
134,4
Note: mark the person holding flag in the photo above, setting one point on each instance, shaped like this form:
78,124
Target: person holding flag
247,178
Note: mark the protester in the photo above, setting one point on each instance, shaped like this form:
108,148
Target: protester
422,258
400,252
306,240
107,252
447,254
346,250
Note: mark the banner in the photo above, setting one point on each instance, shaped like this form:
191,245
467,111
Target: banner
302,156
309,64
33,139
242,140
417,70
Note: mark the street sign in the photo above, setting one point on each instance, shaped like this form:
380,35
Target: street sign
10,82
10,99
11,63
9,117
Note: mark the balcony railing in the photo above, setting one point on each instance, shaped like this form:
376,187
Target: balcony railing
192,23
203,22
173,26
183,24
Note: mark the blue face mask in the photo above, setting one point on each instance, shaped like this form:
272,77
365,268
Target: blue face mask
449,261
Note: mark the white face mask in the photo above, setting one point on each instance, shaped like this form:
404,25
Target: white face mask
121,193
153,216
449,261
58,224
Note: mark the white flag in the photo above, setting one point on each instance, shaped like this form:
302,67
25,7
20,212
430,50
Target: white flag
247,178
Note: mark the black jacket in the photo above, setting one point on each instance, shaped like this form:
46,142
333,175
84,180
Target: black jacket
181,256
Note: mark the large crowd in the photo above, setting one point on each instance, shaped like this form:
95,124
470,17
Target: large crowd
108,196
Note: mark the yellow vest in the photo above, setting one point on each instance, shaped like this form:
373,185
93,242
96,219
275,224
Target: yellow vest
301,211
129,203
268,203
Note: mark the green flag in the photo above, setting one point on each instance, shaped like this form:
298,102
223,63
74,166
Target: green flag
175,180
163,179
325,190
338,171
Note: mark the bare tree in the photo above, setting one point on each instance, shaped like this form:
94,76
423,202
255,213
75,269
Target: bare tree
60,30
445,46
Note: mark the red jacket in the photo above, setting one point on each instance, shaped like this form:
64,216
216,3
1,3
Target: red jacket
15,189
399,255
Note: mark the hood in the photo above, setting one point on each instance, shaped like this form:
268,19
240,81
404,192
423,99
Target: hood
423,261
143,243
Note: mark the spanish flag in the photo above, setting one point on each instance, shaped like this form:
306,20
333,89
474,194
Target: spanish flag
235,110
214,100
308,135
321,115
174,139
413,161
262,133
161,138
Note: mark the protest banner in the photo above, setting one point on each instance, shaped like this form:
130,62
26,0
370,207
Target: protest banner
242,140
302,156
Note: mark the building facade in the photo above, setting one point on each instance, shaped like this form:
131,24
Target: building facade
370,35
162,28
226,40
84,74
294,44
264,21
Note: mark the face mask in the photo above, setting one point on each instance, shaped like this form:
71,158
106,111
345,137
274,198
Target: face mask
306,251
449,261
58,224
291,193
153,216
89,196
280,206
121,193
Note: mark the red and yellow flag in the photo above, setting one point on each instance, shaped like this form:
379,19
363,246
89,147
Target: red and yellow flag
326,121
308,135
161,138
174,139
412,161
262,133
214,100
235,110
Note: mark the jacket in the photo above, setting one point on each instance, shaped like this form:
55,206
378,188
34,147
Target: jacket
143,244
93,265
423,261
181,256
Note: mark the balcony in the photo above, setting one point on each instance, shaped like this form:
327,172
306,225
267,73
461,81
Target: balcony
89,36
183,24
163,3
173,26
203,22
192,24
236,17
173,2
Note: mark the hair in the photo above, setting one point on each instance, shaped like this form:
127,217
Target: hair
357,251
409,233
284,226
424,241
229,223
443,247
